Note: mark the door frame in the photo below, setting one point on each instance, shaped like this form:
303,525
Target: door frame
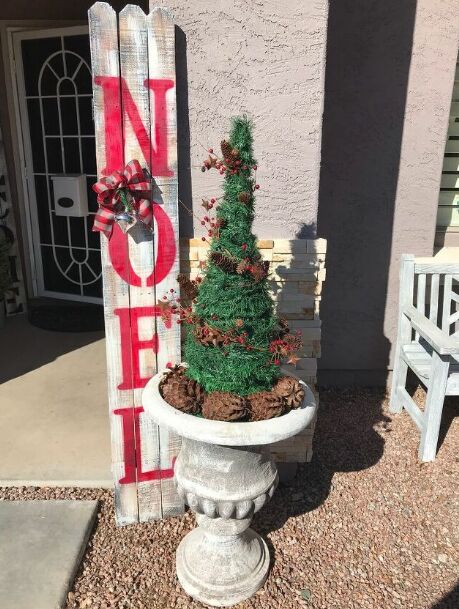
15,37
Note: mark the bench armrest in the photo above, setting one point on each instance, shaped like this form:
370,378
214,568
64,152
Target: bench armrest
439,340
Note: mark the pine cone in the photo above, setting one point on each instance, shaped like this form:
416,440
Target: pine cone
223,262
244,197
209,336
265,405
229,153
188,287
223,406
242,267
283,327
291,390
177,370
183,393
260,270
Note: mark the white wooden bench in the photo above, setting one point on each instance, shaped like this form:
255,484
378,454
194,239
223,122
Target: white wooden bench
427,342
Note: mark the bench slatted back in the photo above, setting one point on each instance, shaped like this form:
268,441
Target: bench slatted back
434,288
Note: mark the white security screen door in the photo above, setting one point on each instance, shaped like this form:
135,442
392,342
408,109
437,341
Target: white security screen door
55,106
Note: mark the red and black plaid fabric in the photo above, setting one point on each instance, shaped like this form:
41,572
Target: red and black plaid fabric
108,190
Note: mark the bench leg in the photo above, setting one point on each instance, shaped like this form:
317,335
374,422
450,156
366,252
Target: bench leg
398,380
434,407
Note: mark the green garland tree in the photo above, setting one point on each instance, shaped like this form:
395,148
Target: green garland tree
229,345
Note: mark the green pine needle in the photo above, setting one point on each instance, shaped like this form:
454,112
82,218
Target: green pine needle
225,297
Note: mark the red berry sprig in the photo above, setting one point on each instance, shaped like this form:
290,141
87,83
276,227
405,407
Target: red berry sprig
285,347
230,163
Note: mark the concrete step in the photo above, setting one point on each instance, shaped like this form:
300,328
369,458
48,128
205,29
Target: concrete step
41,546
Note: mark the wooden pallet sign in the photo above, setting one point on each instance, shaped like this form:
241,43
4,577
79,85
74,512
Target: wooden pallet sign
133,64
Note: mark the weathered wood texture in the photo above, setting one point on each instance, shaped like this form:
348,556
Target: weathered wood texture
105,62
297,271
135,118
133,41
161,57
426,344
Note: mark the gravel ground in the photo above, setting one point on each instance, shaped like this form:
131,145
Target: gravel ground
364,525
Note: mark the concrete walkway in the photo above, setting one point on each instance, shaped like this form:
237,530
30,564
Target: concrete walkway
41,546
54,428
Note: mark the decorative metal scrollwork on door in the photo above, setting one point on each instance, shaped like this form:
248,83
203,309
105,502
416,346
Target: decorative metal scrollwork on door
62,141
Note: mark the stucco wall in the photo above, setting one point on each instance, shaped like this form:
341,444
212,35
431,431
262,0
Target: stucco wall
426,123
388,90
267,59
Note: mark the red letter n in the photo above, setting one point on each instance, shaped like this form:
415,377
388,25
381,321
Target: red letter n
157,150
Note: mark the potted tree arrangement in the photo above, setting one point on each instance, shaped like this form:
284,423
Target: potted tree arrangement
230,398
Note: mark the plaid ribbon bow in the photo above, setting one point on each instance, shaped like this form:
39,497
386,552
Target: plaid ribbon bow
114,190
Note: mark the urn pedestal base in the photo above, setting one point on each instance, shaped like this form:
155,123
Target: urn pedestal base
222,570
223,561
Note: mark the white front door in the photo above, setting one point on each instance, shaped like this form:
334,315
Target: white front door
53,72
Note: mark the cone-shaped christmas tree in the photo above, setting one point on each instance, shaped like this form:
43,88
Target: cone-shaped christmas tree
229,346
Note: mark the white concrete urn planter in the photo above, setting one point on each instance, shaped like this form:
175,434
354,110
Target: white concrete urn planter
225,475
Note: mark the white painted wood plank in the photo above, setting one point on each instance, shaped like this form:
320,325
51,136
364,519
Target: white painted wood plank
434,295
421,295
404,330
414,348
454,296
404,397
438,339
105,62
454,316
161,54
431,265
452,387
434,406
448,282
134,72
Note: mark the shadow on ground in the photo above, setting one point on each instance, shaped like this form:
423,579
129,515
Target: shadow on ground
450,600
26,347
345,440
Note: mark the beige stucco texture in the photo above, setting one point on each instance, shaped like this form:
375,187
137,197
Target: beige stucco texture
266,59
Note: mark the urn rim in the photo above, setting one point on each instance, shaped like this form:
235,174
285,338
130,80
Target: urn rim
252,433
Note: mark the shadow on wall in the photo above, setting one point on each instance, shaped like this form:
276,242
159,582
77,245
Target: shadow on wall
183,133
368,59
